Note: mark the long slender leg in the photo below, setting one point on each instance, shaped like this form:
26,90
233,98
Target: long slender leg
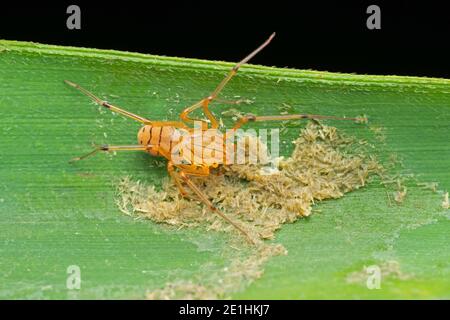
204,198
201,104
235,69
176,178
107,148
253,118
185,114
209,115
107,104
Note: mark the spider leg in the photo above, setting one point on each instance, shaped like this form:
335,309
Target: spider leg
106,104
176,178
107,148
253,118
204,198
204,103
235,69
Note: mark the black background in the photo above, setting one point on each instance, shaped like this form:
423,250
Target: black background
169,309
320,35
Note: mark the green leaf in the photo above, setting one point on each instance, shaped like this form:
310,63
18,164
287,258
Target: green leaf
54,215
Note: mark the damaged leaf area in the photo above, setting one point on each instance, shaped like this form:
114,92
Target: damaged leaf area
324,165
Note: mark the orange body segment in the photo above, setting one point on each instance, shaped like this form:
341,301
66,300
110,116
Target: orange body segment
159,139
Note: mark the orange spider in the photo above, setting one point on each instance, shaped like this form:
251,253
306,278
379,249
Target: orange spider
163,138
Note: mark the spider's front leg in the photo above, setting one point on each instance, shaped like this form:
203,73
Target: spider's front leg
204,103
